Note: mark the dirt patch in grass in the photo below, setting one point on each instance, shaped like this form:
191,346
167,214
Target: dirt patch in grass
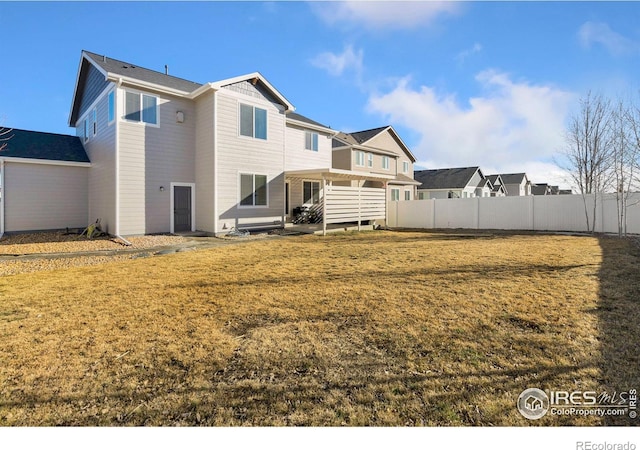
376,328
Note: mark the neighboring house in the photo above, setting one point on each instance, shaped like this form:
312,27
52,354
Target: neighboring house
516,184
32,196
484,188
497,186
171,155
378,151
541,189
462,182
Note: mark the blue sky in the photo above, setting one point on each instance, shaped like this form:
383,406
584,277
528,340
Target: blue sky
478,83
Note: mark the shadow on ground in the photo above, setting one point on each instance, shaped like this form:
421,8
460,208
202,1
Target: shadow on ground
618,314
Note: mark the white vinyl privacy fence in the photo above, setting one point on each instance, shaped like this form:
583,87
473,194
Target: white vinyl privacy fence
536,213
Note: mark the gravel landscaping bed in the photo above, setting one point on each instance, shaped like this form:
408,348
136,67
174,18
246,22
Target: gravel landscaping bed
60,242
37,250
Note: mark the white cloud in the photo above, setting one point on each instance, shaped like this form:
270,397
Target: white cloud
337,64
384,14
464,54
600,33
512,126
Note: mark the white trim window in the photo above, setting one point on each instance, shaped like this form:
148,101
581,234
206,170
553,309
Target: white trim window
94,121
395,195
311,192
141,108
405,166
311,141
253,190
253,121
85,128
385,162
359,158
369,159
111,106
407,195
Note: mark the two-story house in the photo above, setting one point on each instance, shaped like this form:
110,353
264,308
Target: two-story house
378,151
167,154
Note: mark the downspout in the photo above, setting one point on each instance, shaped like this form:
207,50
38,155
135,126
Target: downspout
284,169
215,163
3,198
117,176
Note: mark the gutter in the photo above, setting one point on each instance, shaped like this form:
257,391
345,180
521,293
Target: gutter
2,199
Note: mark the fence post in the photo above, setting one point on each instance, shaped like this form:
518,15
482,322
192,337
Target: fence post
532,213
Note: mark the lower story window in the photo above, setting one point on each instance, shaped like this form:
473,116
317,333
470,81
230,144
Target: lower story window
311,192
407,195
253,190
395,195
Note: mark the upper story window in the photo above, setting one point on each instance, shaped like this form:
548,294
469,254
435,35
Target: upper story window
111,106
311,141
385,162
370,159
253,121
140,107
405,166
359,158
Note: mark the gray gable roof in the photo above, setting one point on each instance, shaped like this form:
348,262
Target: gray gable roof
493,178
364,136
456,178
38,145
126,69
513,178
301,118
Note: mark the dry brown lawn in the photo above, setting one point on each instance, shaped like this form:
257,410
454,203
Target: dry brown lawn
376,328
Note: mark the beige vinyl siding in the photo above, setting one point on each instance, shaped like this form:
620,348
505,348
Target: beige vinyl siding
341,159
102,173
150,157
45,197
169,157
205,163
298,158
238,154
385,141
133,139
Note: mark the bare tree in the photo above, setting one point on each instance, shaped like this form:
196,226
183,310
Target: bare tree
5,135
633,157
588,151
623,154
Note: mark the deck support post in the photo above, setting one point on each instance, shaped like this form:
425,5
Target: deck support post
324,205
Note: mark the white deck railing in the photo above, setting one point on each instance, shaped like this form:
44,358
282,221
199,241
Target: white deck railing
353,204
